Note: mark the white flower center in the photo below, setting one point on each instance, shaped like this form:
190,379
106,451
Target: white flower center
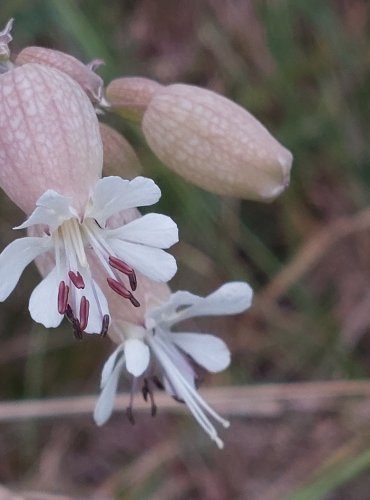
77,289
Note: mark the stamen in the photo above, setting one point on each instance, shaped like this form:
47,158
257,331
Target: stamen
153,409
84,312
62,297
130,415
104,325
119,288
75,323
129,409
68,313
134,301
77,332
76,279
145,389
157,382
125,269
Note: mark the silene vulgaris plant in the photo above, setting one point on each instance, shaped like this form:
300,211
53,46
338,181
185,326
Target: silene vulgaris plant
104,266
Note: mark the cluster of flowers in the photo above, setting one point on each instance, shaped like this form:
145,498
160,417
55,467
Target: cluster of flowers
104,266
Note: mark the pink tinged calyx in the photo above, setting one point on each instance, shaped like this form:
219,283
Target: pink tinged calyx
49,137
119,156
83,74
215,143
204,137
130,96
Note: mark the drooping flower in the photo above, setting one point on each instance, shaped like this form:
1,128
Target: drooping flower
50,166
154,354
204,137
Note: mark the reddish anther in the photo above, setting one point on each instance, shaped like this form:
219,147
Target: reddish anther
134,301
119,288
75,322
104,325
69,313
130,415
63,293
84,313
145,389
133,281
125,269
76,279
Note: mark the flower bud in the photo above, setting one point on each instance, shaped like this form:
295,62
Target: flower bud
130,96
49,137
91,83
215,144
119,156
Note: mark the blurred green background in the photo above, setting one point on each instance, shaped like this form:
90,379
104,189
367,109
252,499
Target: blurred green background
303,68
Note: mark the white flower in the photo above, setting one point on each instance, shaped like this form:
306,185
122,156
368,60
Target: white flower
79,244
170,353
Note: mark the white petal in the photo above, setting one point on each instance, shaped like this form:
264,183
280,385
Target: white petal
230,298
161,343
154,263
52,210
137,357
207,350
167,312
43,305
105,403
177,384
15,257
155,230
110,365
113,194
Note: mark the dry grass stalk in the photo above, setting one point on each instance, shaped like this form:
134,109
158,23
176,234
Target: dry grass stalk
270,400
